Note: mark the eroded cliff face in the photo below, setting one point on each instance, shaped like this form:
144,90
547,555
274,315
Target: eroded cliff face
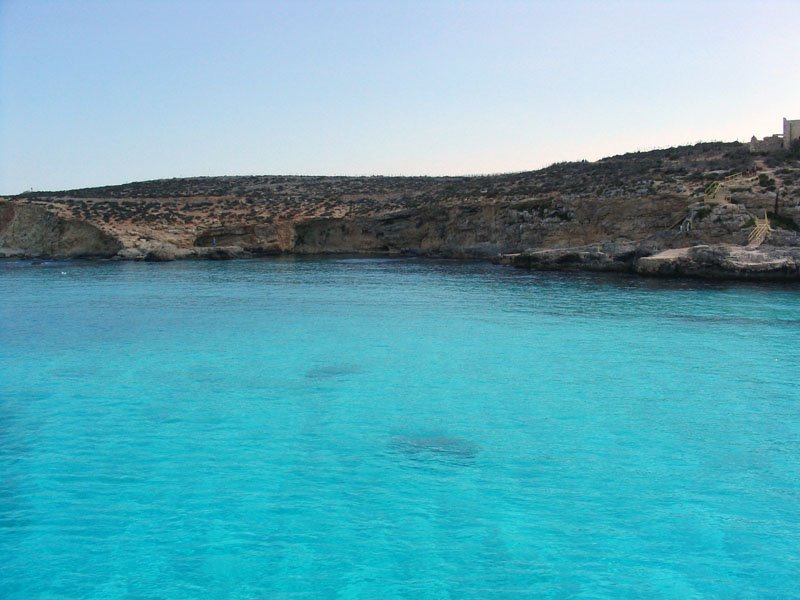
478,229
467,228
460,231
261,239
33,231
470,229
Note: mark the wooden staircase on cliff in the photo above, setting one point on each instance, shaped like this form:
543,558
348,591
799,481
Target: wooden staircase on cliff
760,232
718,192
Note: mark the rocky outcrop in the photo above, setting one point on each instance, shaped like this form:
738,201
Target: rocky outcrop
727,222
609,256
719,261
164,252
33,231
221,253
724,261
479,229
261,239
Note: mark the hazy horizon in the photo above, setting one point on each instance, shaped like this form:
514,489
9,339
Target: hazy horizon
104,93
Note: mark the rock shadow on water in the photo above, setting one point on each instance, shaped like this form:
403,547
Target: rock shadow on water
434,447
332,371
733,321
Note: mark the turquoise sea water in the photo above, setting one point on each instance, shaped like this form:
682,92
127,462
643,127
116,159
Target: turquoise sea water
394,429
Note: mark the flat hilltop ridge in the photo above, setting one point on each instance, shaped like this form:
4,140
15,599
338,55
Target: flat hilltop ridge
641,200
663,164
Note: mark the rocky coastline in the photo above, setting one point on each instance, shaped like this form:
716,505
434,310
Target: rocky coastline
650,214
719,261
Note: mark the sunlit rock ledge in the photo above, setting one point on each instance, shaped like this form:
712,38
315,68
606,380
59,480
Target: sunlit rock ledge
725,261
719,261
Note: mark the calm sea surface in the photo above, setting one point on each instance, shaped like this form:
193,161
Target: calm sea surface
360,428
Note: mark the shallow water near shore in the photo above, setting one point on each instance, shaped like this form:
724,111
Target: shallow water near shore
367,428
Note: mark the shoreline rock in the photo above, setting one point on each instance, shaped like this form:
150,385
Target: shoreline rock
702,261
724,261
708,262
619,257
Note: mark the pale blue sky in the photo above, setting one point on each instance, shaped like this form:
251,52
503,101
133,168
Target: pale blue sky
103,92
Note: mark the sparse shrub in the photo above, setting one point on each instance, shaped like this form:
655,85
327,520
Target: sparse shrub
702,213
783,222
766,182
794,149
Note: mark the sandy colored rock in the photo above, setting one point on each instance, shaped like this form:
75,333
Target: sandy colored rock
724,261
33,231
603,215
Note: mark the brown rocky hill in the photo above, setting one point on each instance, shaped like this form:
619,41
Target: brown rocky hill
642,198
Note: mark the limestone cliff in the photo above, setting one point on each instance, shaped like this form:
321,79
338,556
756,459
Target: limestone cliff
601,216
33,231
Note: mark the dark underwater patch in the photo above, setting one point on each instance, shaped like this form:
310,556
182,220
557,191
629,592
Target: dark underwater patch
433,446
332,371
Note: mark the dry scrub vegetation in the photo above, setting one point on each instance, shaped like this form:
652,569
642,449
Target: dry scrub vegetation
199,203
